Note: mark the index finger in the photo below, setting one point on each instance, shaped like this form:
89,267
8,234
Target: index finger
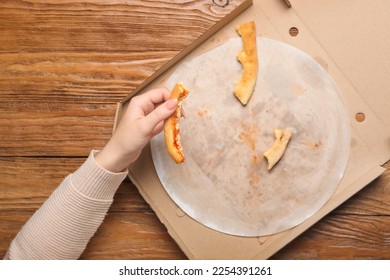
155,96
143,104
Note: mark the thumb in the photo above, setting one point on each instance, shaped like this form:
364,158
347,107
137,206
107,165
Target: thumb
160,114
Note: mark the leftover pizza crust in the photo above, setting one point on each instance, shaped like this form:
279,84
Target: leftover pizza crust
275,153
172,127
248,58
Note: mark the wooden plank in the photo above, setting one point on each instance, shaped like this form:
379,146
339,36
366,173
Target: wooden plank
136,236
65,65
105,26
41,128
342,237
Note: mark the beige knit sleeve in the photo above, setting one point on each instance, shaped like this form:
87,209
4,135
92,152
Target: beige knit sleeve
63,226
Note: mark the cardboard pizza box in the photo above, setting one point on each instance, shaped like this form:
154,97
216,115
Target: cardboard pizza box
352,50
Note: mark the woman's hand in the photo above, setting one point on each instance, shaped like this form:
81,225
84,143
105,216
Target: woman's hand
143,119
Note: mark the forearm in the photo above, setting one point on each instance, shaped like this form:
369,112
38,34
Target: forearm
63,226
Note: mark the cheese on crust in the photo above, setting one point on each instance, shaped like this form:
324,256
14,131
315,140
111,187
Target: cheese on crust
172,127
274,154
248,58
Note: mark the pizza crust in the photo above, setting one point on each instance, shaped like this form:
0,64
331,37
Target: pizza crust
172,127
275,153
248,58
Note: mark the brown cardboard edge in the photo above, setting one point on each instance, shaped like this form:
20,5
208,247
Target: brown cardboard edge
234,13
118,115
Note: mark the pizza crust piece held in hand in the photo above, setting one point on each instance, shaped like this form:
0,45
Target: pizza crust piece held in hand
171,125
248,58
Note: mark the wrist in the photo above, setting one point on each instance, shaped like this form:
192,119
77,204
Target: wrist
94,181
112,158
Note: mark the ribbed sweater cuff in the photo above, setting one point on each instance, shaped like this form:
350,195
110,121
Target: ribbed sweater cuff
94,181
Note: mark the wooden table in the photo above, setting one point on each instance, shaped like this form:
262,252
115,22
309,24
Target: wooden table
63,67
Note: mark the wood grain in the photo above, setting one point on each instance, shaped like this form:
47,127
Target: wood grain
65,65
342,237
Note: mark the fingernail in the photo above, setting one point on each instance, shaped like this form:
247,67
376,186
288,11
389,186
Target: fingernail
171,104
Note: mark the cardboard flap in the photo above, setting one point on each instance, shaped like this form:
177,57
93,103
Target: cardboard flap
357,39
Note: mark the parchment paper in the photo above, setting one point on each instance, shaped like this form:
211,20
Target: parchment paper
224,183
